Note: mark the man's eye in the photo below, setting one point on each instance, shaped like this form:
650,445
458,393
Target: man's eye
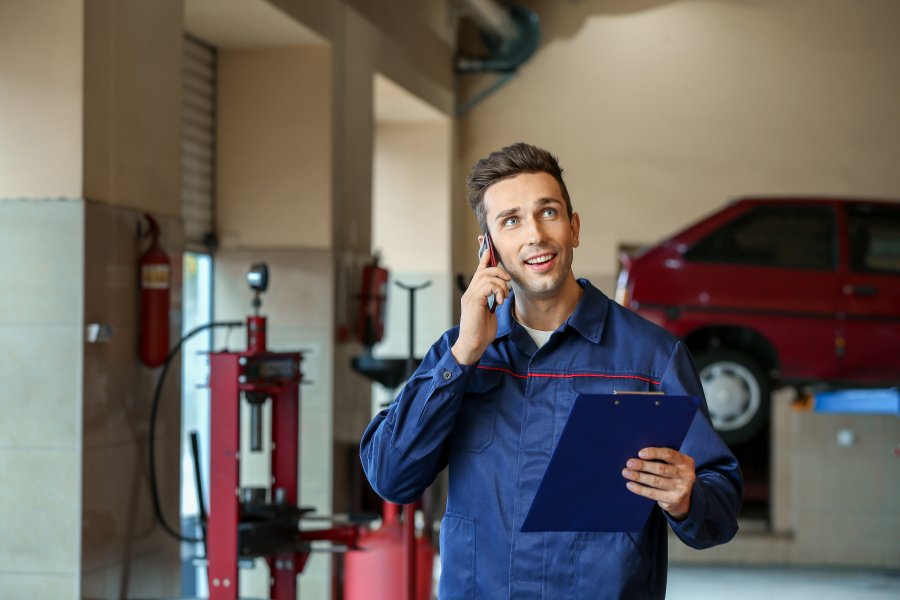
549,212
511,221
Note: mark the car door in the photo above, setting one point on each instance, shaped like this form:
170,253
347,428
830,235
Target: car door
869,316
774,269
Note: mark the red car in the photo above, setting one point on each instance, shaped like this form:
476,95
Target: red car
772,291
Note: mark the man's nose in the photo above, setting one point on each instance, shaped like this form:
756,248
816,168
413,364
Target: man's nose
535,231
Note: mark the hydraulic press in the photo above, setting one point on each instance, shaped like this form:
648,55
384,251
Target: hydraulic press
244,522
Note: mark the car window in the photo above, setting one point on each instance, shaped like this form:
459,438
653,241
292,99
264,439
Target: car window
874,238
794,237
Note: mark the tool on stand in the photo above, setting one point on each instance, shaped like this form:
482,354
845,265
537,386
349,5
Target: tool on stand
248,522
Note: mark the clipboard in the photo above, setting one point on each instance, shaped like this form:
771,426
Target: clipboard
583,488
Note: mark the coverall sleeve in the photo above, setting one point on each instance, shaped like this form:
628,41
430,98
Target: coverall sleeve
719,489
403,448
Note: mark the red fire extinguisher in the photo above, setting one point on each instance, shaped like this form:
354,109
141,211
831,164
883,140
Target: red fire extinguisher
155,282
373,301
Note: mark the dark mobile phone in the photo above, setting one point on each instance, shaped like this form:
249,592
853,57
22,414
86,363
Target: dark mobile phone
488,246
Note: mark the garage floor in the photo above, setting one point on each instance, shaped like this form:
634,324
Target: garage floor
775,583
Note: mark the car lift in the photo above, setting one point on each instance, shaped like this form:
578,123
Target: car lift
884,401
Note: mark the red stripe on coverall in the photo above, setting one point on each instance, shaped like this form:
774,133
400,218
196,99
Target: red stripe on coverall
569,376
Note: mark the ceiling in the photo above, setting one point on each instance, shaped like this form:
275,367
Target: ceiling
393,104
245,24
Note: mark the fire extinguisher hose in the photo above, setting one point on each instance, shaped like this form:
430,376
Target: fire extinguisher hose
151,434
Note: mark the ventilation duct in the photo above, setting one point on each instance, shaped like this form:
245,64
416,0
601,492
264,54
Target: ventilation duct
511,34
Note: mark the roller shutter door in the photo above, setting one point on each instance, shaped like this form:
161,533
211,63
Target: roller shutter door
198,145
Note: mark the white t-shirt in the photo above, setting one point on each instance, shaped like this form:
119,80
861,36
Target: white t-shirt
540,337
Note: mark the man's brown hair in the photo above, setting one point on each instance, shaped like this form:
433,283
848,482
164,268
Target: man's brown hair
508,162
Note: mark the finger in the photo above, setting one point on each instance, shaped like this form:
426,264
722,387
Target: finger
664,497
484,259
654,481
498,278
501,292
488,287
665,454
486,284
649,466
497,271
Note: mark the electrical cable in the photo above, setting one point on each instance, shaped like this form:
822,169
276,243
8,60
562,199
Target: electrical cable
151,434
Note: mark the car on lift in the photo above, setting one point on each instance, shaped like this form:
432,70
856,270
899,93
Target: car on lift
768,292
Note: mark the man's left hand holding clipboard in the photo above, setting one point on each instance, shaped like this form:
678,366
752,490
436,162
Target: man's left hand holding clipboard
664,475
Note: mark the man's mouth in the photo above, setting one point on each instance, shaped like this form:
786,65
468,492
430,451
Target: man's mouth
541,262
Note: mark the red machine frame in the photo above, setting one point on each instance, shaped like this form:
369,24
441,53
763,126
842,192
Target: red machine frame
270,528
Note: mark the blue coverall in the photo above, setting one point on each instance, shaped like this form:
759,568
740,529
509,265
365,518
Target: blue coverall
496,424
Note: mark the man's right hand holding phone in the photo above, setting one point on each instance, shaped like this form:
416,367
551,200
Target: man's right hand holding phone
477,323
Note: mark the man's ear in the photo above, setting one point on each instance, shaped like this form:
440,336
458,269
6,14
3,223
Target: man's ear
575,224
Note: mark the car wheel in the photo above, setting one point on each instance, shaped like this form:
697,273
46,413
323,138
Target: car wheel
737,391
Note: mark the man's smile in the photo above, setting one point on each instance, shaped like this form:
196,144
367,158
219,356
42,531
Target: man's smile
541,262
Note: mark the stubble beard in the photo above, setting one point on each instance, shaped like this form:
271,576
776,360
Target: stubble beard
528,285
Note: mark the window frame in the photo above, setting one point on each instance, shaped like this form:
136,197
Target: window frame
868,212
728,228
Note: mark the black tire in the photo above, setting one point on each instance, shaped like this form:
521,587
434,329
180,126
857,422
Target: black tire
738,392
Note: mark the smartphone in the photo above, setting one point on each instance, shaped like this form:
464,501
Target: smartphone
488,246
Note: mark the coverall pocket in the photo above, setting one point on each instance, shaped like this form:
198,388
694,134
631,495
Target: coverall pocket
457,557
610,561
474,427
589,383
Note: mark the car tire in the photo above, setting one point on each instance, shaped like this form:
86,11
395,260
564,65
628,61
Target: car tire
738,392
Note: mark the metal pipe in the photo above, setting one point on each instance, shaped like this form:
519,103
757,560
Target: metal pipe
198,482
256,427
493,18
412,289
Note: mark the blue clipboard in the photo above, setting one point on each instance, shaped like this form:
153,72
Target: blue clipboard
583,488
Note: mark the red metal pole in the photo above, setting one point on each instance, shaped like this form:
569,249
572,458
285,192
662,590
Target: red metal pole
256,334
409,551
224,463
285,471
391,513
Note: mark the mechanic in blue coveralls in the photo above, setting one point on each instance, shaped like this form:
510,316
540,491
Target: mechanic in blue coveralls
491,397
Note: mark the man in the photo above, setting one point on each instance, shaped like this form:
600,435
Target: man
492,396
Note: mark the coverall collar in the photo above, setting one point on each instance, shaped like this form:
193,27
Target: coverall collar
588,319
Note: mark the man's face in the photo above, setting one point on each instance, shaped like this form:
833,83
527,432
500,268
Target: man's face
532,233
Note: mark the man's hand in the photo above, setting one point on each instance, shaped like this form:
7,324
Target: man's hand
669,482
477,326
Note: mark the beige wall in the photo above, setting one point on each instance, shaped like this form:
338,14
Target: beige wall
661,111
41,324
274,147
90,101
411,214
124,552
321,16
411,195
90,105
41,98
378,39
132,104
